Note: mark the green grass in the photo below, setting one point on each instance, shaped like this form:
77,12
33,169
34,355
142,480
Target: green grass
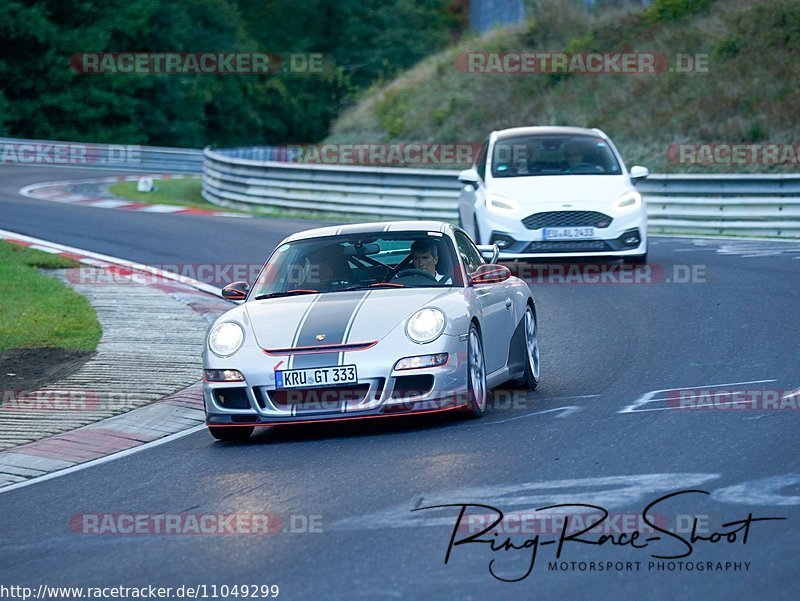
747,95
37,311
181,192
186,192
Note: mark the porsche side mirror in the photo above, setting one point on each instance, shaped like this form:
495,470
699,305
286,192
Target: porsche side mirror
489,274
469,177
490,252
235,291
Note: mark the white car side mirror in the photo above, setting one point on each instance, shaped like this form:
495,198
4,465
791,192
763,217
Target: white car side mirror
638,172
469,177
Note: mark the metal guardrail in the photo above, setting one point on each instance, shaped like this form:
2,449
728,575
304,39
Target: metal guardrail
763,205
120,157
381,192
760,205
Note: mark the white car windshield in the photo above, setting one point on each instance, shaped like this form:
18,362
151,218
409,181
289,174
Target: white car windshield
360,261
524,156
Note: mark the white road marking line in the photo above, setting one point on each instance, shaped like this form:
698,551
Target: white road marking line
524,498
114,261
162,209
765,491
648,397
569,410
566,398
107,204
45,249
723,238
101,460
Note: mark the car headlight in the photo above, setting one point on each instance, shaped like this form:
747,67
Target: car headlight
500,204
226,338
222,375
426,325
422,361
628,201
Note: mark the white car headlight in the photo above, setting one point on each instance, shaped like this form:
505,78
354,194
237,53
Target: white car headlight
500,204
426,325
628,201
226,338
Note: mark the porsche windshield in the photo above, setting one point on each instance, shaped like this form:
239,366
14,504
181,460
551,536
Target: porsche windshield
360,261
553,155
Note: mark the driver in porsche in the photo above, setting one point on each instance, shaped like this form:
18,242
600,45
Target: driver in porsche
425,256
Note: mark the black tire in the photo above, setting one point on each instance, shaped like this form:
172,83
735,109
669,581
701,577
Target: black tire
477,230
231,433
477,390
530,349
635,260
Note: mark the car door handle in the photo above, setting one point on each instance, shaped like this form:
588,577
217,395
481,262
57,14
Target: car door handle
508,303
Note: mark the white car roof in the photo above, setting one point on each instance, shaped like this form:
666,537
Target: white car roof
545,130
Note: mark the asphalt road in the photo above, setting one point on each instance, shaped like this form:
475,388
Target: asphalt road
582,437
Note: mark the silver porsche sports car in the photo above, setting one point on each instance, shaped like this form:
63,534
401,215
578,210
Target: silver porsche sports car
368,321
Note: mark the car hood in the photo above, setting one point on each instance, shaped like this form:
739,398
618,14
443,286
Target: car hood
558,190
341,317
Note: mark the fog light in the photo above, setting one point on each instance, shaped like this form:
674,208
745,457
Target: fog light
421,361
501,240
631,241
222,375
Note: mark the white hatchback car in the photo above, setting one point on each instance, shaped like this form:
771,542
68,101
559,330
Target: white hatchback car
554,192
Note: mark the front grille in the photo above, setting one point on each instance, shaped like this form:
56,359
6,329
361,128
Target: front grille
568,246
567,219
318,399
406,387
232,398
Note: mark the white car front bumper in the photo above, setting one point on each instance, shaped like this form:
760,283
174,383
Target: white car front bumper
625,234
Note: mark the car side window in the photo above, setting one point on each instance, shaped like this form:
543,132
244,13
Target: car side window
469,253
480,166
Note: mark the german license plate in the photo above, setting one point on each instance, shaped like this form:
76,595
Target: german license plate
568,233
316,376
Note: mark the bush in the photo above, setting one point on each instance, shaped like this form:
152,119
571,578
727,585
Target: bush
664,11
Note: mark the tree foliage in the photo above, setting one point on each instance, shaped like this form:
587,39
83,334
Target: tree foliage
363,42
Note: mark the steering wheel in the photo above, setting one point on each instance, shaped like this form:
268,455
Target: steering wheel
586,168
405,273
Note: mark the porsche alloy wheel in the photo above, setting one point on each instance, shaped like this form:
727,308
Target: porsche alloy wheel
529,344
476,374
532,364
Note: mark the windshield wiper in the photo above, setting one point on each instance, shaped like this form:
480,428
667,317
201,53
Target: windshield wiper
376,285
296,292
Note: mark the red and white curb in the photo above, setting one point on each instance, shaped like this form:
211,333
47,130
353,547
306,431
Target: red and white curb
64,191
176,415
